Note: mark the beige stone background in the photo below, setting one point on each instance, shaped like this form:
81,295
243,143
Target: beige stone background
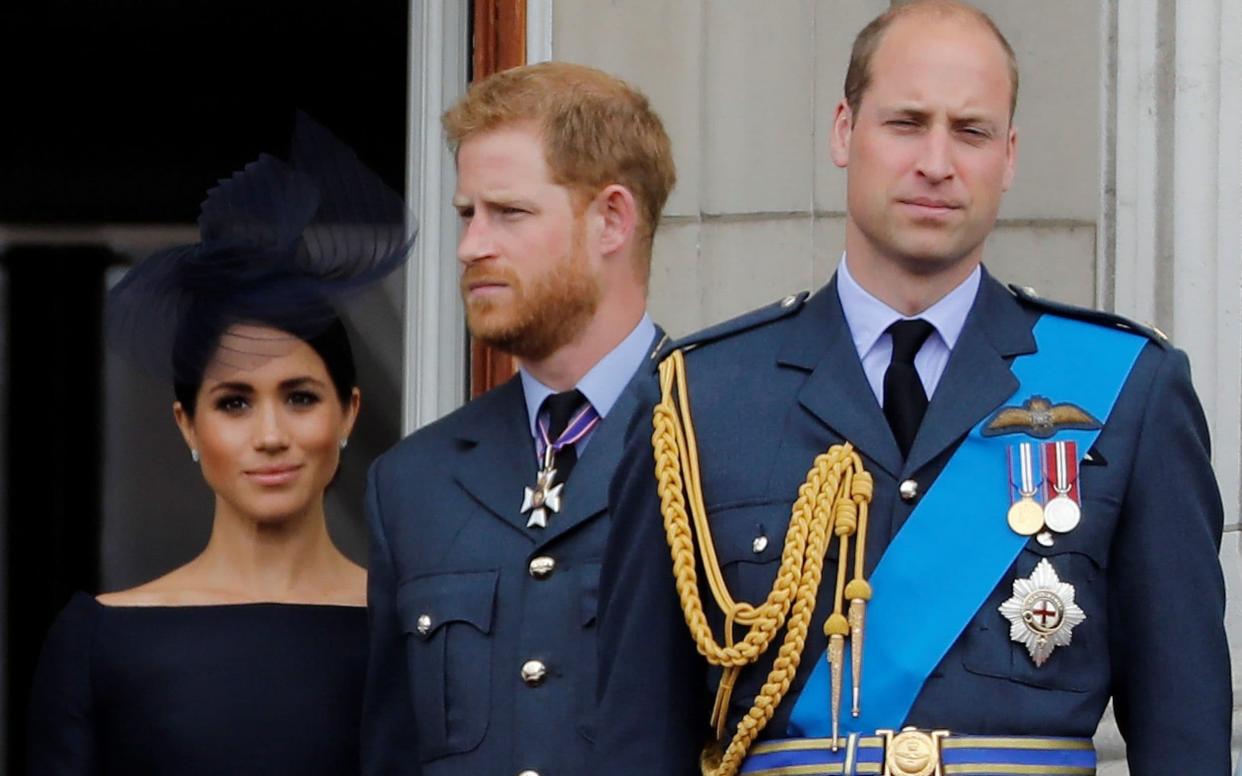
747,91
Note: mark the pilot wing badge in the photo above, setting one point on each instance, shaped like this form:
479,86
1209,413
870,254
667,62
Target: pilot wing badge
1041,418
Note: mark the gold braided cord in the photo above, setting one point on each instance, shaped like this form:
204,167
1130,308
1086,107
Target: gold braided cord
832,501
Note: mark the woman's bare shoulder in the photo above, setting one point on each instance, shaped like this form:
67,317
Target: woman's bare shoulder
346,585
176,588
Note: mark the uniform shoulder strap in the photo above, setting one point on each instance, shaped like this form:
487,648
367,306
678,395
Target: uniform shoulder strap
1029,298
742,323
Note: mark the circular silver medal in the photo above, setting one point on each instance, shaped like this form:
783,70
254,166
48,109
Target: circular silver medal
1062,514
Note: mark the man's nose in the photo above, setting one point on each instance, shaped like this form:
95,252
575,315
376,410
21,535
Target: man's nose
476,240
936,157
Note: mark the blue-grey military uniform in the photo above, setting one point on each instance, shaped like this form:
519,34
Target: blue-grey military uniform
771,390
482,629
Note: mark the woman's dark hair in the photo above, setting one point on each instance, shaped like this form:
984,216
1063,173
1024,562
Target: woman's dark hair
332,345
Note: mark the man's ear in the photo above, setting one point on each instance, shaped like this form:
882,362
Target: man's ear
618,218
842,129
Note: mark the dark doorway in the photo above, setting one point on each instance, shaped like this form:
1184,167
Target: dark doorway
53,413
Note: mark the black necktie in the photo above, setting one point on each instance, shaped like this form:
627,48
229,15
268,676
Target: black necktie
905,401
561,407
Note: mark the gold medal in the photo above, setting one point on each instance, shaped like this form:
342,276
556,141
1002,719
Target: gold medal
1026,517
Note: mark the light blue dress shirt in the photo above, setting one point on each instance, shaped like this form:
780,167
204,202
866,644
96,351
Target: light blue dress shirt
603,384
869,319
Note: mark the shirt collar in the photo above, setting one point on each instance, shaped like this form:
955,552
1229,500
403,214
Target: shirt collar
868,317
605,381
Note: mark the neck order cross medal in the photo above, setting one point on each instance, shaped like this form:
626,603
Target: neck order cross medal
545,496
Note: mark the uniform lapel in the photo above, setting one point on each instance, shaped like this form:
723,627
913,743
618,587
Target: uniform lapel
837,391
977,378
499,456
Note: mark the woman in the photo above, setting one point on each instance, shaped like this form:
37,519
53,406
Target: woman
249,659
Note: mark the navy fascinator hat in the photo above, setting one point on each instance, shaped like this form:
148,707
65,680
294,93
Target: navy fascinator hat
282,244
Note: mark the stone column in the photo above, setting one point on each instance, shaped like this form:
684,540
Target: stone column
1171,214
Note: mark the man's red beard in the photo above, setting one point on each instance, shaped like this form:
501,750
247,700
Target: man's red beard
541,316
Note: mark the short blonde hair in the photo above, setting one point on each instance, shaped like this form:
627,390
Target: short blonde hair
597,130
858,76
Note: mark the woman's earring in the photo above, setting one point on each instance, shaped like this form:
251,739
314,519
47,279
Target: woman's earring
344,442
194,455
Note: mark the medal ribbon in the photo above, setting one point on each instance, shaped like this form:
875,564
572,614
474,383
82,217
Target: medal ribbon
581,424
918,610
1062,464
1025,470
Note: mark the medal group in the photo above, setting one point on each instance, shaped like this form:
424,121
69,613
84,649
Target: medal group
1045,501
1043,485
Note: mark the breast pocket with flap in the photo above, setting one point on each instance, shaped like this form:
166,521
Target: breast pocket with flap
447,621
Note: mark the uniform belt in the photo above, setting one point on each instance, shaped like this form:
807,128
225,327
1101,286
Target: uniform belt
913,752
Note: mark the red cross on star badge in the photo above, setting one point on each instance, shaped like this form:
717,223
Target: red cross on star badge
1042,613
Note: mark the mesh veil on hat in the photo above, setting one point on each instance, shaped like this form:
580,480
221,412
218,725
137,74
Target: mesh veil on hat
283,244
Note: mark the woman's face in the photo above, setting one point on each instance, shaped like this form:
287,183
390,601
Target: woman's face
269,424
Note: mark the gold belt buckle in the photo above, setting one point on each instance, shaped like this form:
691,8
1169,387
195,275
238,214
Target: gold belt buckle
912,752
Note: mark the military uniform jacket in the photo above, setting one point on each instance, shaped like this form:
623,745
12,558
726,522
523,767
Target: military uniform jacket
770,391
463,597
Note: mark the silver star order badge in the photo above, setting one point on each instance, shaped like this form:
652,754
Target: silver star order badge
541,499
1042,613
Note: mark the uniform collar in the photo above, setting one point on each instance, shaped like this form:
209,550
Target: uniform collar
868,317
605,381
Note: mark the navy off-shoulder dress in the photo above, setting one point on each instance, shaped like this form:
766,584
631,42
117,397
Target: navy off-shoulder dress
239,689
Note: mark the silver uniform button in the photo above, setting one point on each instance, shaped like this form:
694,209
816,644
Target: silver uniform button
542,567
534,672
529,773
759,544
424,624
909,490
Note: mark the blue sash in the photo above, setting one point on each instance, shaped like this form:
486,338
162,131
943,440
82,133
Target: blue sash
918,610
